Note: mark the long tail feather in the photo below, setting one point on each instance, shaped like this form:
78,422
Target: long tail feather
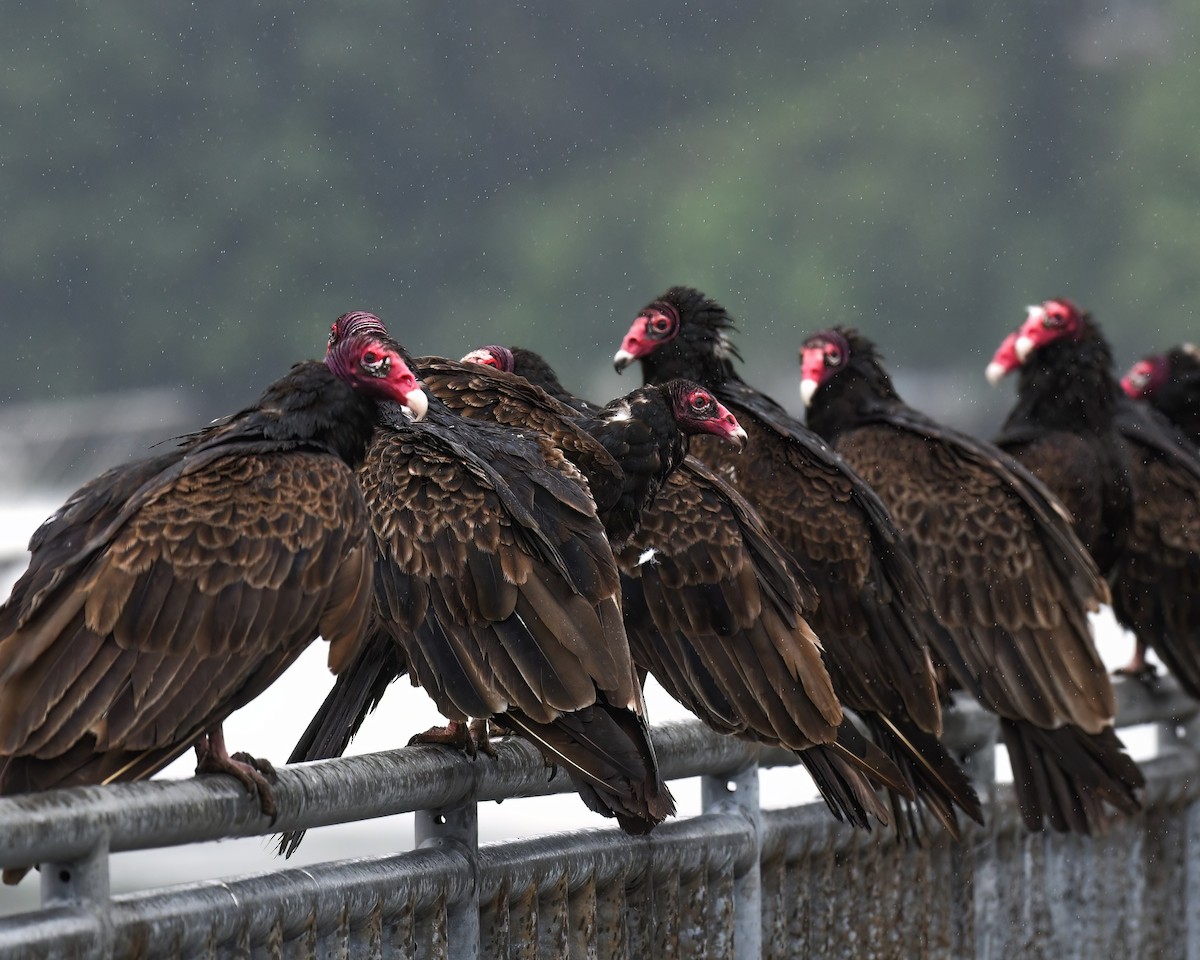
1067,776
356,692
932,773
608,755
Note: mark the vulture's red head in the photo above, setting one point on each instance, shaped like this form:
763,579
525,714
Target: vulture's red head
822,356
1146,376
357,321
1053,320
364,357
1004,360
696,410
492,356
656,325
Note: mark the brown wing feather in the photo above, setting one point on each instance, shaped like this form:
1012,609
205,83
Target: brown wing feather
720,605
484,393
1156,584
199,601
1089,478
873,618
497,587
525,638
873,653
1021,628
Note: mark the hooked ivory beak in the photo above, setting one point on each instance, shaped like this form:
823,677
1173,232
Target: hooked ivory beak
808,387
622,359
416,403
1023,347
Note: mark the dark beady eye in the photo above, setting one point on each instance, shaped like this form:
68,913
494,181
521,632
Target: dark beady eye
700,401
833,356
375,363
1056,316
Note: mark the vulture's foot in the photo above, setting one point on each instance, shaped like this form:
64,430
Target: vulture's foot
1138,667
456,734
469,738
255,774
483,741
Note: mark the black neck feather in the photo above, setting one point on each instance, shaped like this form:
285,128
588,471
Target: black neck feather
640,432
1068,385
702,351
861,392
308,407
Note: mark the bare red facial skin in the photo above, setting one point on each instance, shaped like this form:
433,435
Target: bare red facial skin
369,364
709,415
654,326
1144,377
1045,323
821,355
812,362
356,321
489,357
730,427
637,342
1006,353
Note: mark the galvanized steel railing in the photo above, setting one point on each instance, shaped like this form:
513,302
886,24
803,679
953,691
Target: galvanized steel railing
735,882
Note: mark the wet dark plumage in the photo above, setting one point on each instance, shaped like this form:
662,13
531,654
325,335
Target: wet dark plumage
873,615
1171,386
711,603
497,592
1068,396
1009,581
169,592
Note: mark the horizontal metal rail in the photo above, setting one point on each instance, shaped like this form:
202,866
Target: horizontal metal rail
577,888
61,824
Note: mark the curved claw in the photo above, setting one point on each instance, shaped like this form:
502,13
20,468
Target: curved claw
471,738
255,774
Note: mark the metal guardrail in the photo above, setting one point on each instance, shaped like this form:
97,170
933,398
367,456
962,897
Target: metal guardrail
734,882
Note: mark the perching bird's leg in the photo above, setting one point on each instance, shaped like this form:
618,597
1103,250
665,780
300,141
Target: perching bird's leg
454,734
212,756
469,738
1138,666
479,733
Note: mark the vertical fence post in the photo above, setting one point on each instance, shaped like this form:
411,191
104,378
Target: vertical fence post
1193,881
82,882
1173,735
456,829
738,793
980,864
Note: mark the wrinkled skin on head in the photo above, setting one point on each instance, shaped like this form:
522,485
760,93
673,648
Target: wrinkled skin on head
696,410
367,361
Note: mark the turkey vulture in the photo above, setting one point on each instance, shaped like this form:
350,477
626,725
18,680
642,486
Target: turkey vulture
1170,382
873,616
1075,428
1062,428
712,605
167,593
497,592
1009,580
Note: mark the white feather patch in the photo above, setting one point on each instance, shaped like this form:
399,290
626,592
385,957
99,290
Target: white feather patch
621,413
